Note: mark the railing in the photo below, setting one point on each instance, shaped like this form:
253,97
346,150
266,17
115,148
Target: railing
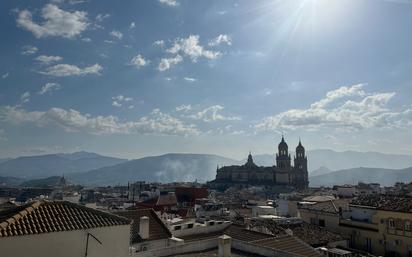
358,224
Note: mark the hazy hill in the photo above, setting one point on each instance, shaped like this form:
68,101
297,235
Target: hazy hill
43,183
4,159
386,177
41,166
345,160
164,168
10,181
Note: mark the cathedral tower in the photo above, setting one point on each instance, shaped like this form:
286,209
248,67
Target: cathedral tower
301,165
283,156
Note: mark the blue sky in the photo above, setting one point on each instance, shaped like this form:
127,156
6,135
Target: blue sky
136,78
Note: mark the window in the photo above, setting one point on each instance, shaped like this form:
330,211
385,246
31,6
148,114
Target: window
368,244
408,225
313,221
391,223
190,225
321,223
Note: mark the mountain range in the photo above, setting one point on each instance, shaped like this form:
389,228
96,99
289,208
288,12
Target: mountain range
41,166
326,167
385,177
164,168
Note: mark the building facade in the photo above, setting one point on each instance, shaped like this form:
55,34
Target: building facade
283,173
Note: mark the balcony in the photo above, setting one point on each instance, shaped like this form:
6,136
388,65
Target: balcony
358,224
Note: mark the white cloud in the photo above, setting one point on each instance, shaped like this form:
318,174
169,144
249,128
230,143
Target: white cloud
64,70
116,104
132,25
221,39
184,108
211,114
346,109
156,123
49,87
120,99
56,22
190,47
167,63
131,106
159,43
190,79
48,59
25,97
29,50
86,39
5,75
139,61
116,34
169,2
102,16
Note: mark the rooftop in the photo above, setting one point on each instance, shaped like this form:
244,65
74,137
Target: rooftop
157,229
311,234
331,206
385,202
53,216
283,242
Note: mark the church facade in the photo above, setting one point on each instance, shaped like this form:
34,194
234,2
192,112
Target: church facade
282,174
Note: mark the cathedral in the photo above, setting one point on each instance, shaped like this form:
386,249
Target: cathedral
281,174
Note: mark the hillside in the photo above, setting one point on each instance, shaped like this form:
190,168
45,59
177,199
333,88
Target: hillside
386,177
164,168
33,167
42,183
10,181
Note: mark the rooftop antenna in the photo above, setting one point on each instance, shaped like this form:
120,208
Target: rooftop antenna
87,242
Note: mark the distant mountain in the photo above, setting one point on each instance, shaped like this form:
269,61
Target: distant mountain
41,166
10,181
386,177
43,183
345,160
5,159
164,168
322,170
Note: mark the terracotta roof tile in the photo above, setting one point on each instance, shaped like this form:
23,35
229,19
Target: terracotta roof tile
157,229
46,216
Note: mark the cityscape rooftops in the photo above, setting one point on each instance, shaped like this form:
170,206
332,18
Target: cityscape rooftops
53,216
384,202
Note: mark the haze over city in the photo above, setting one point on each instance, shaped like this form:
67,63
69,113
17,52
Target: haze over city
141,78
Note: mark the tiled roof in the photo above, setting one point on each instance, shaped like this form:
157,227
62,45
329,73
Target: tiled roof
385,202
47,216
328,206
288,244
243,234
311,234
285,243
318,198
157,229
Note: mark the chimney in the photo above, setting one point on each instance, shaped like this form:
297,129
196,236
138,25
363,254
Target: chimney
225,245
144,227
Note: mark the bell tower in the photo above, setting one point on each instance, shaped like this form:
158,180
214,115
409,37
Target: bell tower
283,157
301,166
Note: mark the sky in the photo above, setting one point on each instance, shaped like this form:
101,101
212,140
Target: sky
134,78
